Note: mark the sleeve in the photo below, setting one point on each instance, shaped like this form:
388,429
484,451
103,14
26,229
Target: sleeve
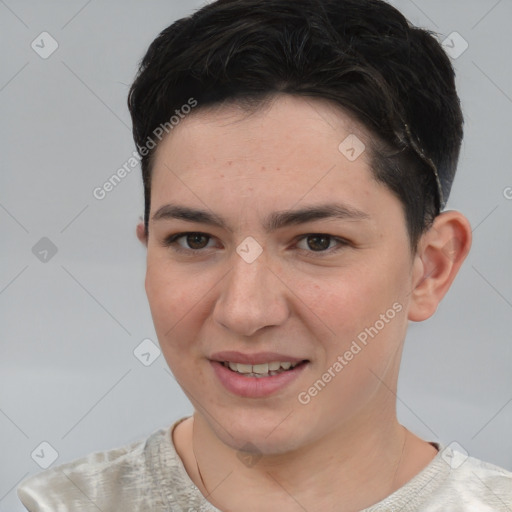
55,491
101,481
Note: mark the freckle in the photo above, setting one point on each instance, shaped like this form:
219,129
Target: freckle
263,168
229,163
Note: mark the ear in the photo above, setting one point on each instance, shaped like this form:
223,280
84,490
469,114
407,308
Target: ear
141,233
441,251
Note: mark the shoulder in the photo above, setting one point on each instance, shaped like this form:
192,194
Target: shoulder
472,481
469,484
99,481
453,481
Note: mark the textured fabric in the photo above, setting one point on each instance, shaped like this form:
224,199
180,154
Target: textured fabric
148,475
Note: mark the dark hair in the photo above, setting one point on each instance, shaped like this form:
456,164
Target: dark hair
363,55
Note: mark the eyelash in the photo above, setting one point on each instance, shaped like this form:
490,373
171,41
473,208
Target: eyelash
171,242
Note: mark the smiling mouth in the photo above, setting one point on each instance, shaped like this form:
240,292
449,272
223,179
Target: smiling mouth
262,370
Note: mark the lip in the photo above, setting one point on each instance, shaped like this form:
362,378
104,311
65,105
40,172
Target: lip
256,387
257,358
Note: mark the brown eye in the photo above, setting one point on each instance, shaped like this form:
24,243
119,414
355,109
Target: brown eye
318,242
197,240
188,242
321,244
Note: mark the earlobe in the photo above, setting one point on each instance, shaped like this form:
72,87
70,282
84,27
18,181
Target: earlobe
141,233
441,252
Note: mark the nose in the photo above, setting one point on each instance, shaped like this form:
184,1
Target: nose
252,297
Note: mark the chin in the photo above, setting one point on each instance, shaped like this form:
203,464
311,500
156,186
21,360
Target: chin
258,433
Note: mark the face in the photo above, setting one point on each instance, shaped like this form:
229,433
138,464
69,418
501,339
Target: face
270,244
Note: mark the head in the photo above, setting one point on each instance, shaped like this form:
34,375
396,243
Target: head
243,110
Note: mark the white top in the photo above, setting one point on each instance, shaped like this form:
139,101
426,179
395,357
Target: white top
148,475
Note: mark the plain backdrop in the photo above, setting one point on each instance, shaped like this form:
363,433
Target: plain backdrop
72,301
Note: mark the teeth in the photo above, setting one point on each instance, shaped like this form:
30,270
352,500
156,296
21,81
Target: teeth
260,370
244,368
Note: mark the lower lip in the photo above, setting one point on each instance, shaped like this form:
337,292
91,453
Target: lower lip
255,387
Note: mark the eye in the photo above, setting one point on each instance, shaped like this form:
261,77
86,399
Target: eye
315,244
191,241
321,243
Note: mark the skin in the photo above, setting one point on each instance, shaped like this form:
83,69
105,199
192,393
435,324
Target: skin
295,299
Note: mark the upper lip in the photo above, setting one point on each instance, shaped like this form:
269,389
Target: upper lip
257,358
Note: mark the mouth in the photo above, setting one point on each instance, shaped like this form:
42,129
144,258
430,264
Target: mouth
262,370
257,375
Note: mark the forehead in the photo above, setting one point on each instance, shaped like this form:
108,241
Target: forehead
292,150
295,132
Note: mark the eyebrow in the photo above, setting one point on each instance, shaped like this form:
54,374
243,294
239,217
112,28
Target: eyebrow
275,221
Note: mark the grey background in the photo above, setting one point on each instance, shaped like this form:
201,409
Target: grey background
68,375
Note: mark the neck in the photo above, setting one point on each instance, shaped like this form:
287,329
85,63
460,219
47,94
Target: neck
363,457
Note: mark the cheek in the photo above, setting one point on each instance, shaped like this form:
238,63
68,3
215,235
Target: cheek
348,301
177,301
178,307
365,313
